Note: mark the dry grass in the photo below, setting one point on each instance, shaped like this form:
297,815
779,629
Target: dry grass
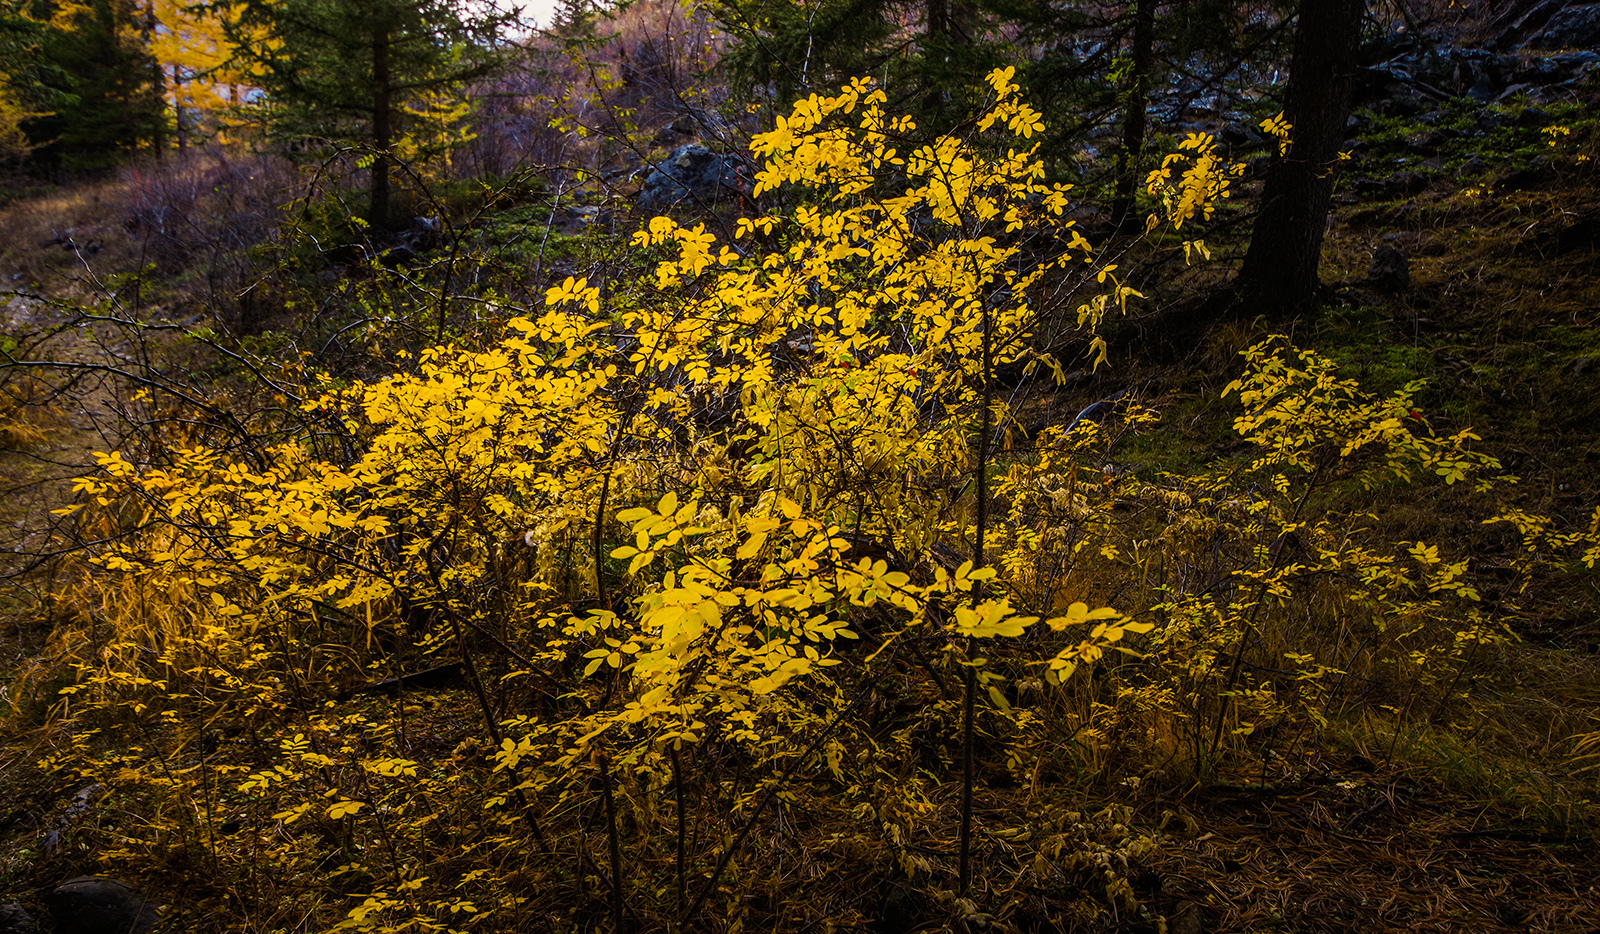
46,238
28,412
1350,848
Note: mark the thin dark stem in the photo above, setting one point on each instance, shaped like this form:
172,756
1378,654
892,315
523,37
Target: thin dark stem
491,724
601,598
618,916
772,790
677,782
599,529
968,773
1255,612
969,702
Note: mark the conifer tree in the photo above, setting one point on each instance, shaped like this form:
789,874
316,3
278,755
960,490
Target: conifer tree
344,71
30,86
1279,277
196,55
572,17
1083,64
107,88
928,54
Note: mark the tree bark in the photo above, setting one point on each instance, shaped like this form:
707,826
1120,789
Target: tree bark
1279,278
382,129
177,108
1133,121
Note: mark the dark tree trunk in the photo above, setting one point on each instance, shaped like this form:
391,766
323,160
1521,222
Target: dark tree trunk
159,79
382,130
1133,121
177,108
1279,278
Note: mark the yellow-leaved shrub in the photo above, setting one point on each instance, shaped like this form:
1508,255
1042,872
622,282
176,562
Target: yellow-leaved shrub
737,534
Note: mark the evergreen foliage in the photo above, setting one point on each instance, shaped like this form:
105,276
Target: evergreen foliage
367,75
101,86
1083,65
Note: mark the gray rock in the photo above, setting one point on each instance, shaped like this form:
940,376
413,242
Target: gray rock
668,133
1426,144
1576,27
1511,91
14,919
1390,270
1239,134
1519,29
1486,87
696,174
1540,71
1533,118
96,905
1401,105
1187,918
1398,185
1487,121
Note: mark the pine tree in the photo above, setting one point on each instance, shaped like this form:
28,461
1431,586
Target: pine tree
572,17
106,86
1279,277
30,86
343,72
928,54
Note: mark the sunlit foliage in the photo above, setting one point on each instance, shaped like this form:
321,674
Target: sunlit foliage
691,528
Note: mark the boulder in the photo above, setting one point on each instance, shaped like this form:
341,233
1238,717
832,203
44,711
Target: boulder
14,919
97,905
1512,90
1428,143
1486,86
696,174
1576,27
1390,270
1187,918
1524,20
1533,118
1239,134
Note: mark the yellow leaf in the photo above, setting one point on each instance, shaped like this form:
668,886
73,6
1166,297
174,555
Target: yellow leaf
345,808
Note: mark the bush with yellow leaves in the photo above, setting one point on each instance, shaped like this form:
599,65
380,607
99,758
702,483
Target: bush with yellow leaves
738,550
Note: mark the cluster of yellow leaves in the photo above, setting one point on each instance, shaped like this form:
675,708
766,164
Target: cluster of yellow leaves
665,506
1307,418
1278,128
737,590
190,44
1205,180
